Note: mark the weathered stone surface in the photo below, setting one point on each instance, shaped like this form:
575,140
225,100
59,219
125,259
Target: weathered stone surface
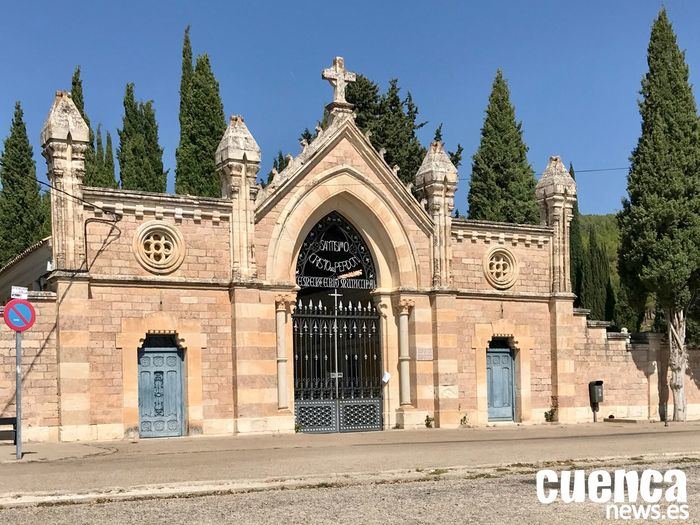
64,120
237,144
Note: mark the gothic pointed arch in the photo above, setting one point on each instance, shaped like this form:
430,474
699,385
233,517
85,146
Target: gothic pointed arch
335,255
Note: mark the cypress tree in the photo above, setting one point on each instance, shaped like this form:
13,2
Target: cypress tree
183,155
576,250
91,165
109,163
503,182
45,214
205,125
99,150
153,149
660,220
101,176
595,279
140,156
22,216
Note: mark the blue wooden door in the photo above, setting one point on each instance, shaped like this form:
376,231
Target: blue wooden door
499,377
160,392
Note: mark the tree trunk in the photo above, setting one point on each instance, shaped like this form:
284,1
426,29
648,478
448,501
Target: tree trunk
677,361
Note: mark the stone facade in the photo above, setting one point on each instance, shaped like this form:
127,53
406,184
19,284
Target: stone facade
218,276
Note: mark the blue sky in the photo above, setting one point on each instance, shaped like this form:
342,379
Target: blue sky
574,69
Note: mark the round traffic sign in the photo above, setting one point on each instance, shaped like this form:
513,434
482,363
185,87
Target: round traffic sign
19,315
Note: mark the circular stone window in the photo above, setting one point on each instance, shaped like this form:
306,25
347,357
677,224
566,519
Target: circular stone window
159,248
500,268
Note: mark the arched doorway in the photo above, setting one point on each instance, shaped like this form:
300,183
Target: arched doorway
337,350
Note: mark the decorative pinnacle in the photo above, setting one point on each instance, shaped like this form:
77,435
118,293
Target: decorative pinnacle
237,144
436,166
64,120
555,180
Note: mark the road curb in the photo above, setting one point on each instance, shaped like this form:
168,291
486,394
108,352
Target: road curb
223,487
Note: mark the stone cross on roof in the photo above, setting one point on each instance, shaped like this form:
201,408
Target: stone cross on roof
338,78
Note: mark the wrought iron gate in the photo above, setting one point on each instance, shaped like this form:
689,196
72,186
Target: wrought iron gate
337,365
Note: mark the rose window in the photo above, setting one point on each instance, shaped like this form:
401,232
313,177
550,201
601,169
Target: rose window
159,247
500,268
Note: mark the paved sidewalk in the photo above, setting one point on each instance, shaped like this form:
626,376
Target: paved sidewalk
119,465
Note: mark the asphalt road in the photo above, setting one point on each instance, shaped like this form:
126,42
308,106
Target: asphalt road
499,500
145,462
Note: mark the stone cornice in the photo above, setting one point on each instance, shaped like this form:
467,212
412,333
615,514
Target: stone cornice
151,281
469,224
158,205
501,233
503,296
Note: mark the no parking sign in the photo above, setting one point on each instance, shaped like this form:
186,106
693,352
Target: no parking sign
19,315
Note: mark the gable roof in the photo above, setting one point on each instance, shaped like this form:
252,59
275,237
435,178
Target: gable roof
342,126
24,254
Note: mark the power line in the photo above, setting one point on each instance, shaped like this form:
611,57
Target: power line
602,169
79,199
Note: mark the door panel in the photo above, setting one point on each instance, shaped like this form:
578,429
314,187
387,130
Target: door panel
499,376
160,392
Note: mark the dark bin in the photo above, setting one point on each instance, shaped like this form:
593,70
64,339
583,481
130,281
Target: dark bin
595,392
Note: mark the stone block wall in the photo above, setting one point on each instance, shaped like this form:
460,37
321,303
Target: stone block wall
39,372
530,246
203,223
625,371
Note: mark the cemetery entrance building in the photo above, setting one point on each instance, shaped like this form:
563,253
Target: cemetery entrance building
340,293
337,351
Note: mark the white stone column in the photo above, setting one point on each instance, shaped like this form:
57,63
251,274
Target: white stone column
283,303
405,307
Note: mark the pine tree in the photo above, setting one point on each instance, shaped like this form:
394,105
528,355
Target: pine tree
391,121
455,156
203,126
576,250
22,216
502,183
91,164
140,156
660,220
278,164
394,129
363,94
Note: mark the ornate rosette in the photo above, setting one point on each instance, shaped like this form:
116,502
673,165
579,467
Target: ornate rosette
159,248
500,268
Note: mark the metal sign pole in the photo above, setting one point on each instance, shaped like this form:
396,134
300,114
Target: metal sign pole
18,394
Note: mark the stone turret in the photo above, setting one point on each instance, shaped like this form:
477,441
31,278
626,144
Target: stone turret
437,181
556,195
64,139
238,162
